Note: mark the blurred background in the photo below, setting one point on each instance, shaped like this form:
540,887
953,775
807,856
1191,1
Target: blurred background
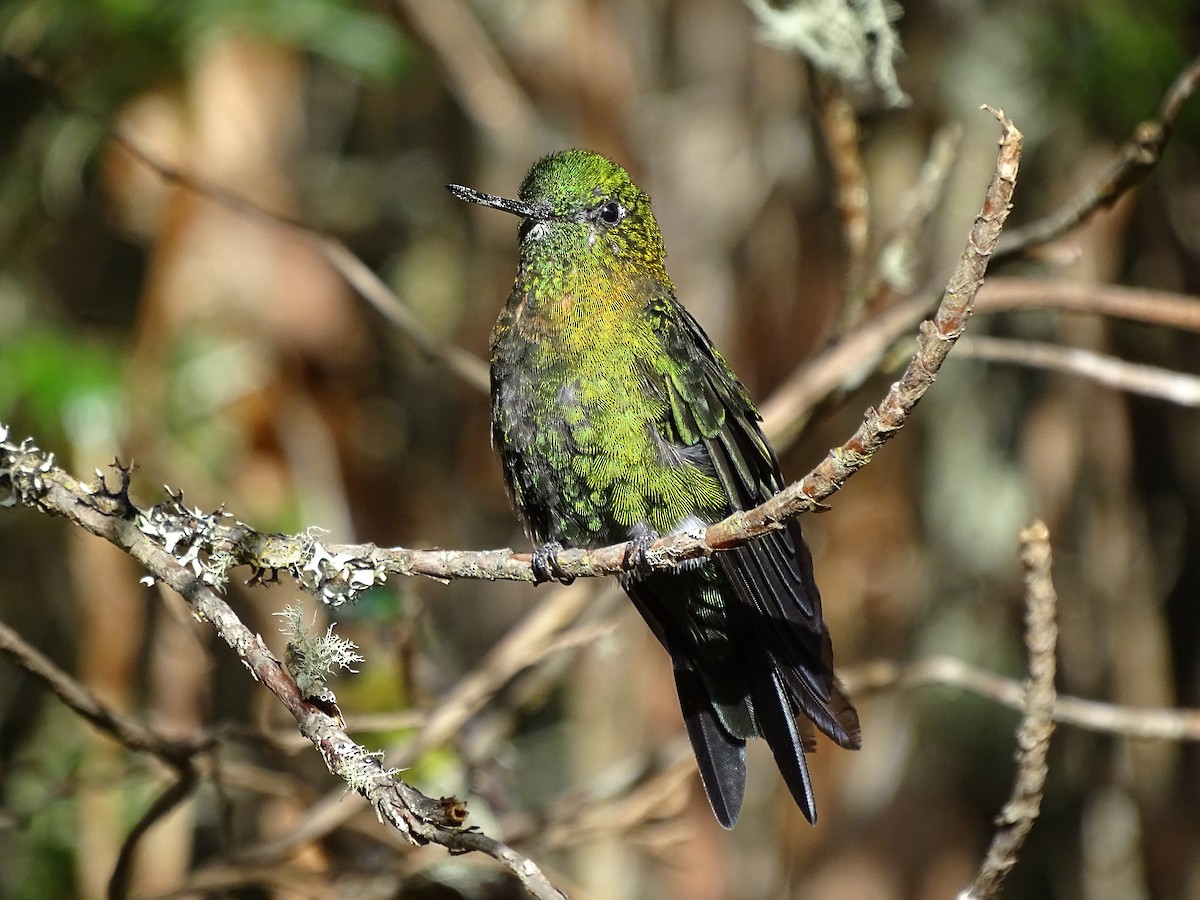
223,352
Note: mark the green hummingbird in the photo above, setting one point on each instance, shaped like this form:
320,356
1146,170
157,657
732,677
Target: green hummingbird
617,421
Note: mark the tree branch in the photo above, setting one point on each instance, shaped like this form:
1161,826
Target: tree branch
127,730
337,573
191,551
34,480
1037,724
476,72
176,793
856,357
1146,305
1133,378
518,650
1139,155
1139,723
896,262
839,130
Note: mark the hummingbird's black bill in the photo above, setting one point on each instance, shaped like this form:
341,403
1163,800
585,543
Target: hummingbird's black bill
516,207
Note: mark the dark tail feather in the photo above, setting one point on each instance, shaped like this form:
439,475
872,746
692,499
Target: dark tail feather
720,756
777,722
835,716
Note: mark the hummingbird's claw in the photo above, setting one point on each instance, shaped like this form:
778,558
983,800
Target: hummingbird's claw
635,558
546,567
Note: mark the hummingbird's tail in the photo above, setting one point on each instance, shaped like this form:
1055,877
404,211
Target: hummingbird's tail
771,711
776,719
720,756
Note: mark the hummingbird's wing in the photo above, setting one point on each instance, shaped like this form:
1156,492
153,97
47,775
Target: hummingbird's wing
777,604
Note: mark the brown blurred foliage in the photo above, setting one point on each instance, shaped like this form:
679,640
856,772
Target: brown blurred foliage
224,354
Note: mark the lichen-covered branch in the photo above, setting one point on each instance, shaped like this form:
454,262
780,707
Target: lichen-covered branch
177,550
855,42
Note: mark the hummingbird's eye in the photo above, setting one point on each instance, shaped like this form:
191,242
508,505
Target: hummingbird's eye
611,213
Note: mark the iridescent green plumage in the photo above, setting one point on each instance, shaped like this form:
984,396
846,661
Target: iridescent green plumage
615,419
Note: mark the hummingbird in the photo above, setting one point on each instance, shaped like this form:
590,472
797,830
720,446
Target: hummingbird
616,421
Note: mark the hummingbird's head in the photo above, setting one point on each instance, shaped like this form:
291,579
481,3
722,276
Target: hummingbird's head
577,205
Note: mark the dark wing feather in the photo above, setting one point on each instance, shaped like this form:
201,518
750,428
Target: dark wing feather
755,658
773,575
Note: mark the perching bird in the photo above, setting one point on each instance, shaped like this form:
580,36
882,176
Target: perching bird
616,420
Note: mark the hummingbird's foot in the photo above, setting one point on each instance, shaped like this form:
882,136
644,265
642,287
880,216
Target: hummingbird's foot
635,559
546,567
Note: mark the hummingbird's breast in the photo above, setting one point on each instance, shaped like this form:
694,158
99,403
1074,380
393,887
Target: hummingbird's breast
582,423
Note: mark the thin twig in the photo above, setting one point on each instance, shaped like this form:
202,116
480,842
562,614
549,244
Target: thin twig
126,730
476,72
896,262
657,796
1138,723
123,728
466,365
1146,305
357,274
1037,723
848,363
1139,155
841,368
178,791
1133,378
